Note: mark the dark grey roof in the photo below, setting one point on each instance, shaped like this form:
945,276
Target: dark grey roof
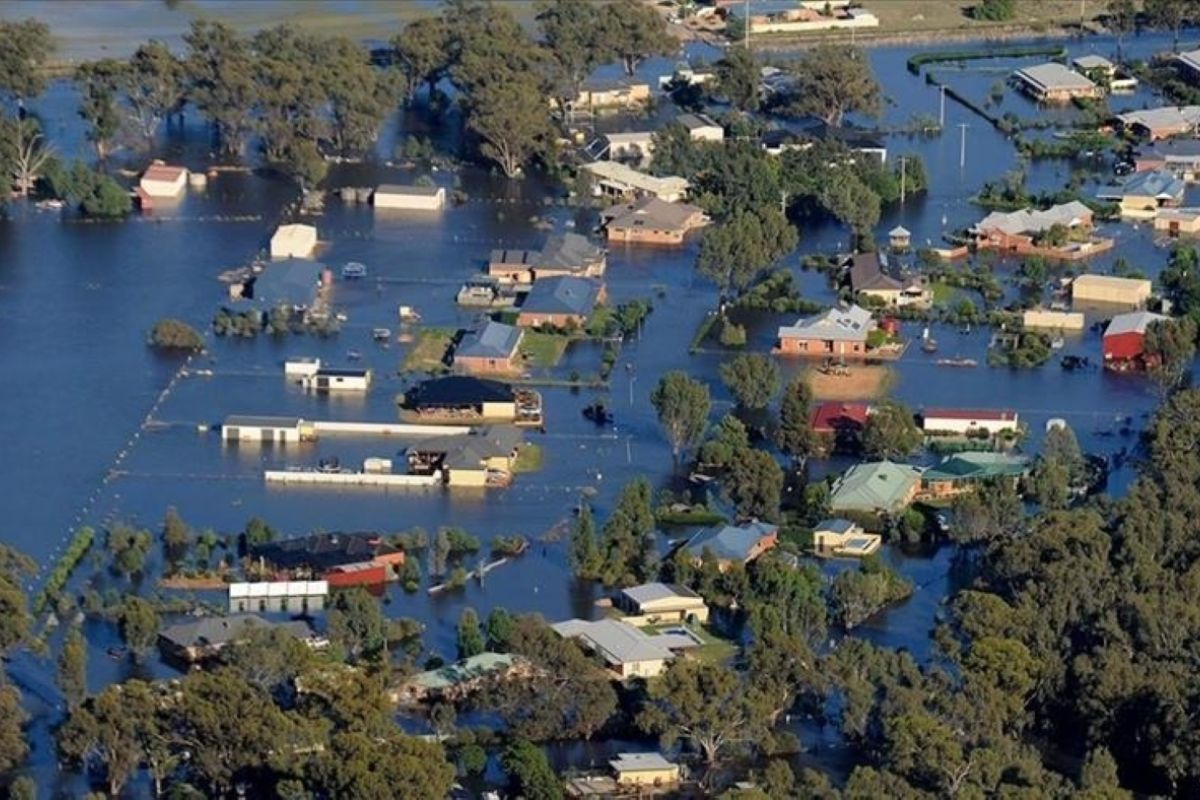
867,273
566,294
693,121
516,258
568,251
493,340
219,631
457,391
323,550
649,212
467,451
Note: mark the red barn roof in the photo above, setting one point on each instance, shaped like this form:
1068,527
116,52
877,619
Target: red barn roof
834,417
163,172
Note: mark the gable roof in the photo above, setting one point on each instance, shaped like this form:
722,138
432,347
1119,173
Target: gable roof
730,542
1033,221
836,324
639,762
220,631
1154,183
565,294
1134,322
977,466
163,172
650,592
1055,76
694,121
650,212
1093,62
568,251
616,641
469,669
1174,149
323,550
874,486
1163,117
493,340
867,272
834,416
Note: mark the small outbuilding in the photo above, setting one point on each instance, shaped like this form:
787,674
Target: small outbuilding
1125,339
899,238
327,379
163,180
701,127
294,241
398,197
644,769
282,430
841,537
658,603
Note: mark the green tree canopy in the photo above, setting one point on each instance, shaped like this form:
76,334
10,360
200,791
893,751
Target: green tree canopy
794,435
832,80
752,378
701,703
529,772
736,252
682,404
891,432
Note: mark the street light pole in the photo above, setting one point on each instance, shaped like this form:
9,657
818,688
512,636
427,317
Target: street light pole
942,106
962,145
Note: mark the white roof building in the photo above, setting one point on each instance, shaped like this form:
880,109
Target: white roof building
1032,221
620,179
294,241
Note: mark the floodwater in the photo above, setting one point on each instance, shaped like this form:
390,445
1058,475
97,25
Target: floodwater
99,427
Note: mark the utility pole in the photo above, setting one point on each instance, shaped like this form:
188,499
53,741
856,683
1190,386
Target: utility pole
746,33
783,196
962,145
903,164
942,106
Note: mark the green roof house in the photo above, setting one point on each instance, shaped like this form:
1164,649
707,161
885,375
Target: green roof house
875,487
962,472
458,678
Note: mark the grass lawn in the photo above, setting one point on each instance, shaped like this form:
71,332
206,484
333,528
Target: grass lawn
428,351
943,293
529,459
543,349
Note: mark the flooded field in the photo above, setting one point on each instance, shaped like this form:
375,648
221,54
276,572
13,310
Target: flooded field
98,427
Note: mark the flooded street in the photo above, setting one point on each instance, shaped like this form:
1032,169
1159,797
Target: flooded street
98,427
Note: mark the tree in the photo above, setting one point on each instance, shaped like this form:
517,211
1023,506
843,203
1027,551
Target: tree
754,483
394,766
105,731
734,253
23,788
752,378
424,52
1169,347
268,658
500,625
891,432
23,152
1168,15
24,48
470,637
174,334
229,728
573,34
220,73
357,626
138,622
995,10
72,668
529,772
682,404
99,85
360,96
700,703
993,511
831,81
153,85
14,606
1121,19
634,31
14,746
585,553
738,78
851,202
729,442
128,548
627,544
794,435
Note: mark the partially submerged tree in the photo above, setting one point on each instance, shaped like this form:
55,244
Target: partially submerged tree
752,378
832,81
682,403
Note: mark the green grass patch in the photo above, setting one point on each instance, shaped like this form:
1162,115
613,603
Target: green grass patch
529,459
428,352
543,349
943,293
1017,51
692,516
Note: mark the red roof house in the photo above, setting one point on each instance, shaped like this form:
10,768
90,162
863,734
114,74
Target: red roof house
839,419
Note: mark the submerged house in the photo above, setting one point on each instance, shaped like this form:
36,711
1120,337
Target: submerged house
1111,290
965,472
293,241
463,400
340,559
1144,193
563,254
836,333
968,422
293,282
204,638
878,487
652,221
839,425
614,179
658,603
1021,232
1163,122
841,537
493,348
1180,157
562,302
481,459
610,95
733,543
397,197
163,180
871,276
627,650
1055,83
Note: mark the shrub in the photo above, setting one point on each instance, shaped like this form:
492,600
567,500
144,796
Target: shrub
995,10
173,334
